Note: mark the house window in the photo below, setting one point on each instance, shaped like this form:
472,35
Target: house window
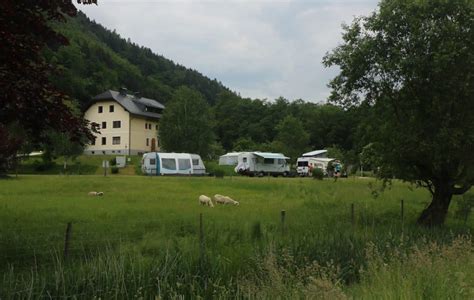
156,126
100,109
93,152
116,140
111,108
104,140
104,125
116,124
93,141
146,125
147,141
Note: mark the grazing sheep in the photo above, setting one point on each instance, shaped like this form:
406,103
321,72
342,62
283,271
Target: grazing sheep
205,200
224,200
219,199
96,193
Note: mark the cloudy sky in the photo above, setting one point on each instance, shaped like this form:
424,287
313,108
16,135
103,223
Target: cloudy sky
260,48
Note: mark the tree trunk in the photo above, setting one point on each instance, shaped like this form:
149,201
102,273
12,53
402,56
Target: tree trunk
435,213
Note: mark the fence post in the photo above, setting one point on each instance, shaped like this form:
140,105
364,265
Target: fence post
282,218
352,215
402,213
67,239
201,241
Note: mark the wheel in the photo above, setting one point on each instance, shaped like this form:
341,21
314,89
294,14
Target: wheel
261,174
285,174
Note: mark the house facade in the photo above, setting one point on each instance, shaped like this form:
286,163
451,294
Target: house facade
128,123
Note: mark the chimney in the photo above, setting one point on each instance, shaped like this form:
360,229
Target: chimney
123,91
138,95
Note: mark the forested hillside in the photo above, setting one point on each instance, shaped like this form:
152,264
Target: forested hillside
98,59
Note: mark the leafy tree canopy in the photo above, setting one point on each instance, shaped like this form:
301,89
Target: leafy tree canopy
187,123
412,63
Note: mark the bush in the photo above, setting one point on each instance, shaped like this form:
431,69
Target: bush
318,174
113,162
219,173
114,170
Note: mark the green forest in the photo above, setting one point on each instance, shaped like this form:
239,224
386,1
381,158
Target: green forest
98,59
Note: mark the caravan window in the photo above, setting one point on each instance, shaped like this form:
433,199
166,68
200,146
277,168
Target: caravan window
169,163
195,162
302,164
268,161
152,161
184,164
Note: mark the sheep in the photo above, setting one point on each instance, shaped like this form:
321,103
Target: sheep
219,199
205,200
224,200
96,193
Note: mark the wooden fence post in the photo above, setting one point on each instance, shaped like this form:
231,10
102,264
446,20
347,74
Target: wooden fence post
201,241
67,239
352,215
402,212
282,219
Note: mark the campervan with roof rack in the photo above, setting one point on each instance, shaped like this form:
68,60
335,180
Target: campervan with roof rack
262,163
157,163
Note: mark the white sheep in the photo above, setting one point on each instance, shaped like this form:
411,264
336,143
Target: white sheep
220,199
96,193
224,200
205,200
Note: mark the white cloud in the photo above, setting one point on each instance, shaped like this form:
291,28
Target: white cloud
261,49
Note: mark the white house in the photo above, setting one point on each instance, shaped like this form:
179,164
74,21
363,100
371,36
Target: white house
128,123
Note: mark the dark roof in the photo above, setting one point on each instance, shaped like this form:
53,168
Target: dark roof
131,103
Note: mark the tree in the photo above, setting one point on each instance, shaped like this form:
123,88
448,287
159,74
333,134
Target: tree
291,138
412,63
186,125
28,99
58,144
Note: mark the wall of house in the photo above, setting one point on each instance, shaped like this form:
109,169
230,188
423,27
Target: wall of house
140,134
119,114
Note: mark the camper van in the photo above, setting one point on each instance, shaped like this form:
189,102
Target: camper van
305,165
262,163
157,163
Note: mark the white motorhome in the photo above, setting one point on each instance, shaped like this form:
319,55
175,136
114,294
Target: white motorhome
305,165
157,163
262,163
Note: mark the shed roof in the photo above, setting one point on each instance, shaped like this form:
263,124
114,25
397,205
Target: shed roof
131,103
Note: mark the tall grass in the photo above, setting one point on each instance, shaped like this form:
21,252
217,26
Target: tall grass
142,240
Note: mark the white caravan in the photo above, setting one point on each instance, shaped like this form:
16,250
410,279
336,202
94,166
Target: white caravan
262,163
157,163
305,165
229,159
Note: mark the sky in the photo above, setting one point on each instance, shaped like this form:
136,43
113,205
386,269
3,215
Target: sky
259,49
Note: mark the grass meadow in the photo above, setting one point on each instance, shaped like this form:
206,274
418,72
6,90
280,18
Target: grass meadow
143,239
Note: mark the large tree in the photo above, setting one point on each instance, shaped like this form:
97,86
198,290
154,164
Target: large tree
412,62
28,101
291,138
186,125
